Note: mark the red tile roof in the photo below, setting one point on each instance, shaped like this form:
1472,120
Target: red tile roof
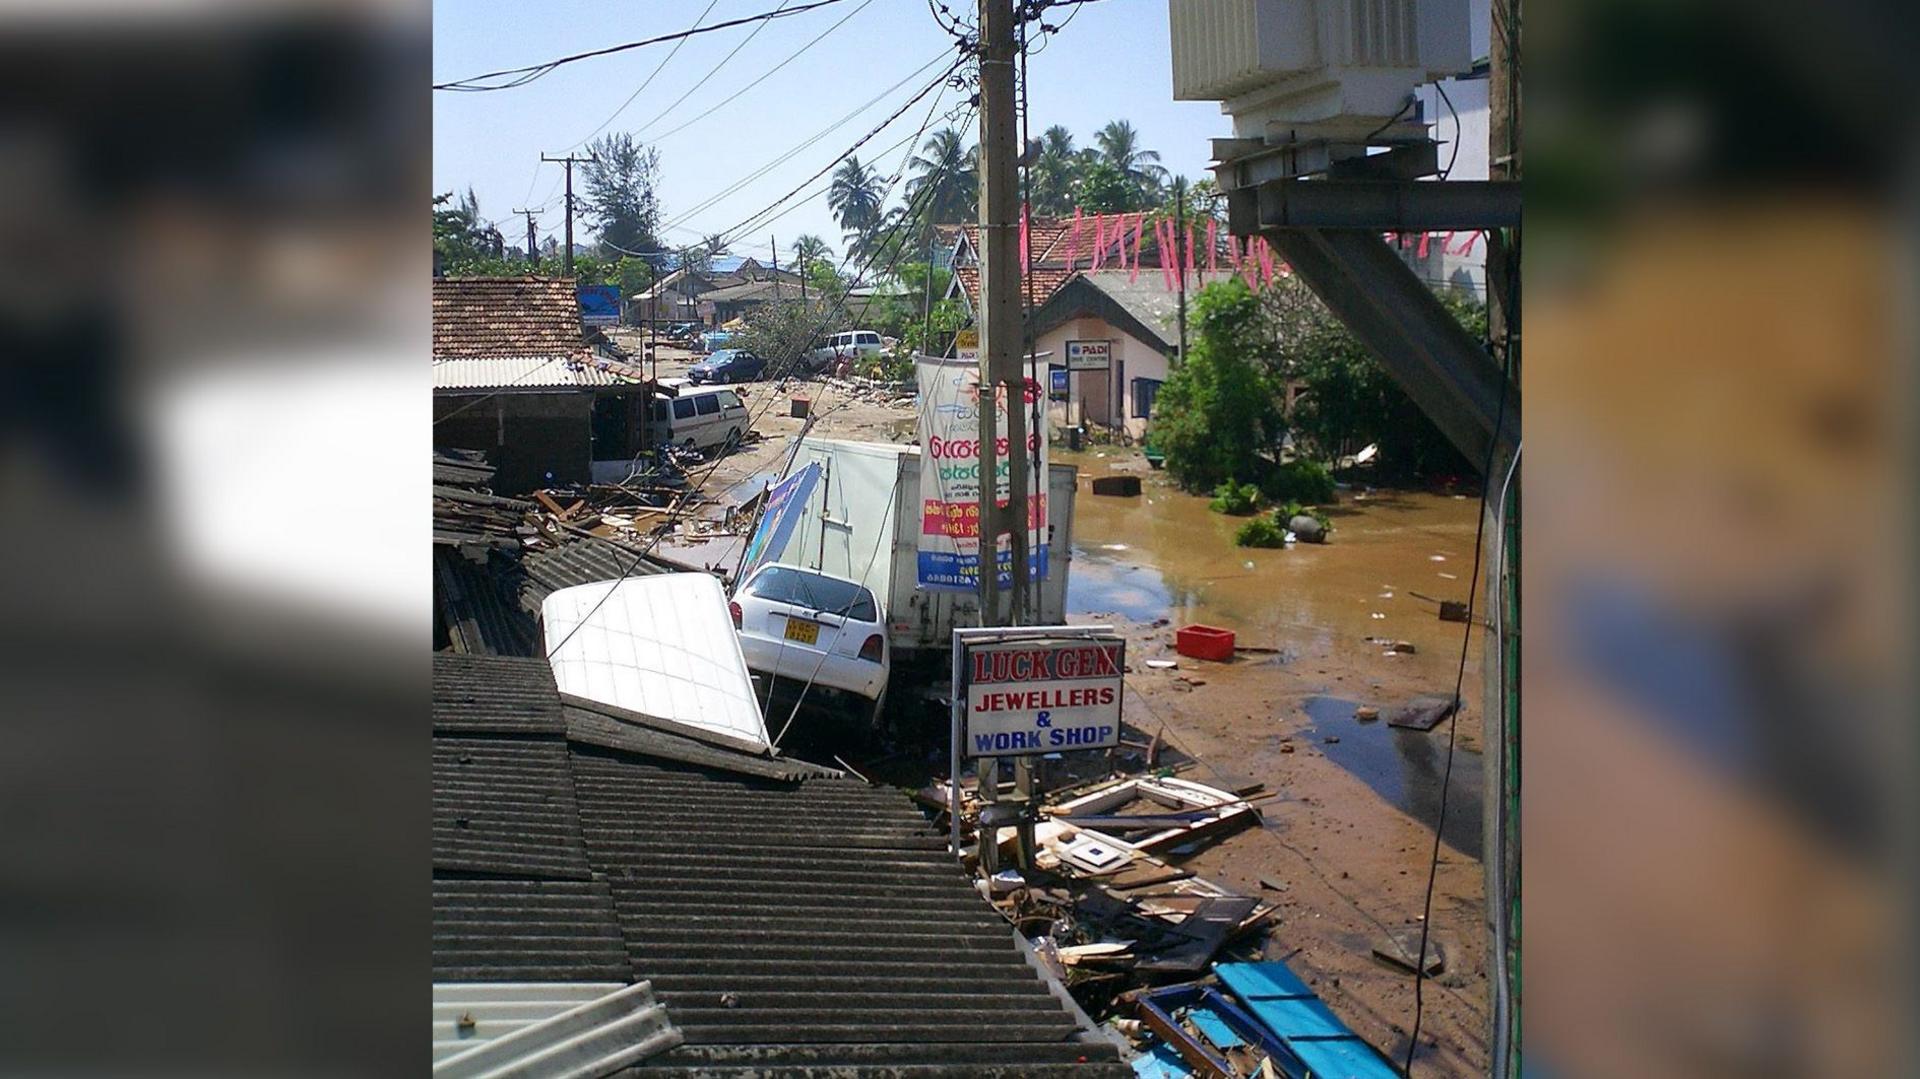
1046,281
1051,241
505,316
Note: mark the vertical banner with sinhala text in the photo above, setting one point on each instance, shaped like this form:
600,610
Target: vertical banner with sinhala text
949,546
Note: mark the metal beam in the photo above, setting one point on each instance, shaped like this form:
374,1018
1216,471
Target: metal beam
1386,205
1396,316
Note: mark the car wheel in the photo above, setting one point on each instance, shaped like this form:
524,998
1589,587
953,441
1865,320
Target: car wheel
733,439
690,445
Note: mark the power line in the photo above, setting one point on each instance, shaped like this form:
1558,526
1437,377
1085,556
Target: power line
648,81
711,72
786,155
735,96
520,76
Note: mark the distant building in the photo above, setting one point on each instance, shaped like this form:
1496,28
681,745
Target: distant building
515,375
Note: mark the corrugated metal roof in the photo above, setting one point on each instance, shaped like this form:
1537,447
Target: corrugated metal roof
508,373
585,560
473,606
597,726
462,468
583,1040
790,927
504,806
468,1013
495,695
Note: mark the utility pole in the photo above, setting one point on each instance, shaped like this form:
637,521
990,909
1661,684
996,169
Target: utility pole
1000,331
533,240
569,161
774,245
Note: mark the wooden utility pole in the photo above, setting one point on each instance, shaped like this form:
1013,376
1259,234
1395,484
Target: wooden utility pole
774,245
533,239
569,161
1000,329
1179,258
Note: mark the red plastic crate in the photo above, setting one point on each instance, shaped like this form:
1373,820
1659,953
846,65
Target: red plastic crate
1204,642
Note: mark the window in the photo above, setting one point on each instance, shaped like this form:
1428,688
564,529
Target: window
660,411
1144,391
869,338
683,408
708,404
785,584
729,399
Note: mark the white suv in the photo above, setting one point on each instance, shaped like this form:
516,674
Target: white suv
850,345
802,628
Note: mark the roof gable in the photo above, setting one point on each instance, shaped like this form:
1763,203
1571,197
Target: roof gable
477,317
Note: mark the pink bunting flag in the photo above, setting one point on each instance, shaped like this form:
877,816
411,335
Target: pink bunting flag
1266,262
1163,236
1025,231
1191,267
1467,245
1139,226
1073,241
1099,238
1421,251
1213,245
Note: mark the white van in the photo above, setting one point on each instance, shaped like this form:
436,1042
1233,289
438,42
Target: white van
850,345
700,417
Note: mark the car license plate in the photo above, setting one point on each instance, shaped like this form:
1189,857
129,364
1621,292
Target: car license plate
799,629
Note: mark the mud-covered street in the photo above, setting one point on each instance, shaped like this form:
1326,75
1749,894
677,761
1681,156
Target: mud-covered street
1344,847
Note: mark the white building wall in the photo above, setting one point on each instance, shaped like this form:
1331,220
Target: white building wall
1102,399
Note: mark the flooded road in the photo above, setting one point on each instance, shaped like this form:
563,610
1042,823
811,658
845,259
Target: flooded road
1343,617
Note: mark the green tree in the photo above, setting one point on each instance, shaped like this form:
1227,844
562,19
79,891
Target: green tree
1055,172
1105,189
1348,400
619,201
809,249
1217,415
1120,147
948,171
780,331
461,240
855,197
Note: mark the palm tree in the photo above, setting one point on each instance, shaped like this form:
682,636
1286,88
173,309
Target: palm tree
946,180
1120,147
855,198
1054,171
809,249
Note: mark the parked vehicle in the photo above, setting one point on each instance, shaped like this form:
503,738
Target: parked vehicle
815,634
728,365
862,523
699,419
713,339
850,345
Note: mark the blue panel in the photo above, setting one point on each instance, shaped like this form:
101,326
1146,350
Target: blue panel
1161,1062
1215,1028
1296,1016
1343,1058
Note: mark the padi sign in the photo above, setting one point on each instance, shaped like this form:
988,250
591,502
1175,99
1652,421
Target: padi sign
1042,695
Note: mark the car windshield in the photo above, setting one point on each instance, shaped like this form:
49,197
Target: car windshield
786,584
722,356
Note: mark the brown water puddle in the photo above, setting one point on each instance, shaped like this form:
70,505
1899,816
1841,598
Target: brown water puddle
1165,555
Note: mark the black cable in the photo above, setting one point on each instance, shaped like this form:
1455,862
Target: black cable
648,81
1453,728
524,75
764,76
1455,156
711,72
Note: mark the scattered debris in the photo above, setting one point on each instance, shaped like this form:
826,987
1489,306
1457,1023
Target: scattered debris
1117,486
1399,948
1204,642
1423,713
1366,713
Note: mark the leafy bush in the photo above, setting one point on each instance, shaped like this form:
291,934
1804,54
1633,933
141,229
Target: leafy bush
1302,481
1260,532
1292,509
1217,411
1237,499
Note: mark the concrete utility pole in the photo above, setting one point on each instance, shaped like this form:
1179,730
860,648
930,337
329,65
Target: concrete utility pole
569,161
1179,259
1000,330
533,240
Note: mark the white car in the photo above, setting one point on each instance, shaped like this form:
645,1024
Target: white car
851,345
799,626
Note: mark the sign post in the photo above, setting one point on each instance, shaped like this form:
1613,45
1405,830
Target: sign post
1028,691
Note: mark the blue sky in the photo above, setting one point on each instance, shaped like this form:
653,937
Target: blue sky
1110,62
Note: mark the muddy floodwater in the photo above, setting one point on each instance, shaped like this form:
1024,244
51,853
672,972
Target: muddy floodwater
1353,621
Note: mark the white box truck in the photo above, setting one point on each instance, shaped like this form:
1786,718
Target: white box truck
862,521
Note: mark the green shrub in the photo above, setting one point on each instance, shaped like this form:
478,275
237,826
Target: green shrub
1260,532
1291,509
1303,481
1237,499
